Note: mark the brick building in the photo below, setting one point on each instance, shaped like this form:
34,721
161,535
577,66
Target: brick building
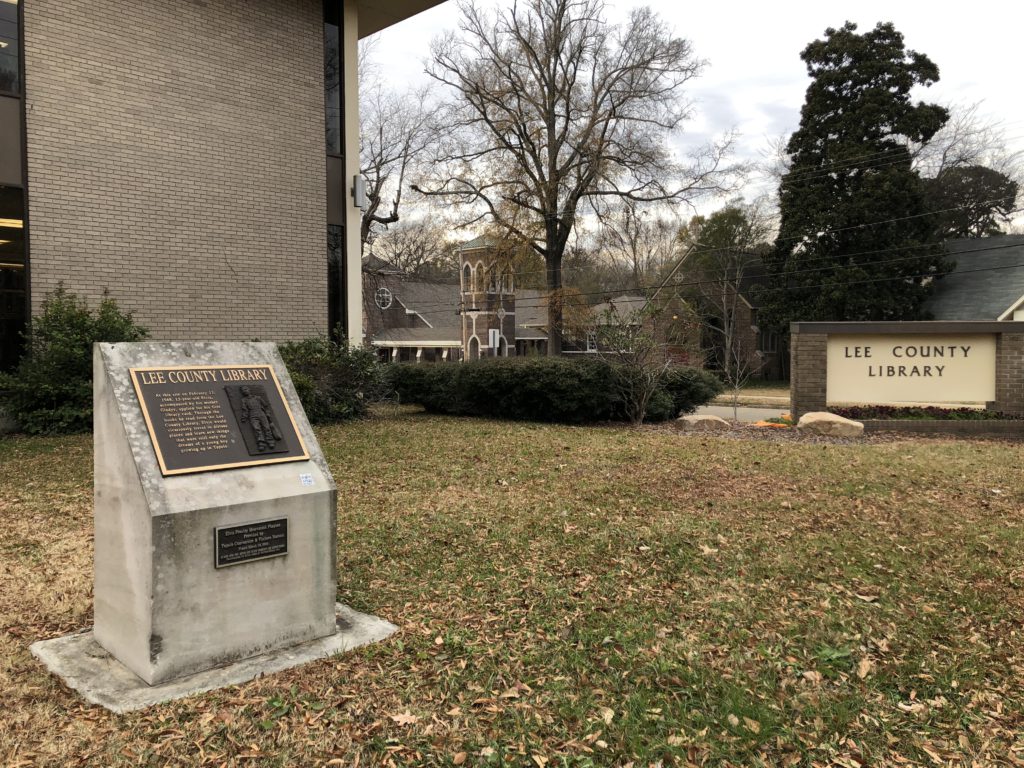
195,160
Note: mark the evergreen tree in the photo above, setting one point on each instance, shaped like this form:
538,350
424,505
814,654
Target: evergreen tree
856,241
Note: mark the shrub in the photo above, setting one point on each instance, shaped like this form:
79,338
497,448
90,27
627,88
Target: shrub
333,380
50,392
565,390
691,388
861,412
660,407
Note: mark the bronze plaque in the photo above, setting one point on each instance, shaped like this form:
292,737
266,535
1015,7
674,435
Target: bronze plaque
209,417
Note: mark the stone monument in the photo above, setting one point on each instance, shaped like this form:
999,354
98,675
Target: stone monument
215,517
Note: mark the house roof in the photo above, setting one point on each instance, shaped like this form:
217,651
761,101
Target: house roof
531,308
436,303
987,282
620,305
373,263
477,242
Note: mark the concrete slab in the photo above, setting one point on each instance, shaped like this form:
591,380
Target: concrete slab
85,667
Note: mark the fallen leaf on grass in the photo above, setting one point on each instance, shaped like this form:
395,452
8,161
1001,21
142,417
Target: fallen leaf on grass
406,718
865,667
460,758
607,715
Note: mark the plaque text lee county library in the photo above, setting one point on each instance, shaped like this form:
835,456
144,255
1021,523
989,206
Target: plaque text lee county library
216,417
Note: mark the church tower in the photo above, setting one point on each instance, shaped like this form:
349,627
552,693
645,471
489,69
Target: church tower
487,301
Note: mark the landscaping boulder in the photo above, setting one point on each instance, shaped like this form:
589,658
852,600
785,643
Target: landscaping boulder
824,423
704,423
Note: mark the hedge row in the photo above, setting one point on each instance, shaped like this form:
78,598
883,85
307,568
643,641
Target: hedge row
564,390
51,390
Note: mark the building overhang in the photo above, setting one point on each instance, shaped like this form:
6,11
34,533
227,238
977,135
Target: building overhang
375,15
427,344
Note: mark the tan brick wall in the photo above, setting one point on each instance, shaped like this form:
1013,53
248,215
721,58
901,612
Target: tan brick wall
176,158
809,372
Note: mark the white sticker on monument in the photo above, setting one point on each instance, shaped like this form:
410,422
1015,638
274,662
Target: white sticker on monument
306,479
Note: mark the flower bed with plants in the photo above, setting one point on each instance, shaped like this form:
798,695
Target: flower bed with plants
883,412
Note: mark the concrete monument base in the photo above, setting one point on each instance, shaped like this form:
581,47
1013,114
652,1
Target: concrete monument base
101,679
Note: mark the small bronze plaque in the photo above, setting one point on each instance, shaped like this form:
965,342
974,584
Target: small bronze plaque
235,544
216,417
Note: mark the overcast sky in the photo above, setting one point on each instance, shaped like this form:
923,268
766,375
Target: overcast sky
755,81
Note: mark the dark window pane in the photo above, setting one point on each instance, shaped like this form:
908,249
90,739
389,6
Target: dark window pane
9,81
12,274
336,309
332,87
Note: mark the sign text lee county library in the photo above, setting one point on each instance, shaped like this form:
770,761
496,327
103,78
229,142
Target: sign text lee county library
911,369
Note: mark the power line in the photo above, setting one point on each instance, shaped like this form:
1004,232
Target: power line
573,299
831,259
820,233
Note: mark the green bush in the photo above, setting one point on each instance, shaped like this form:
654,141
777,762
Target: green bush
660,407
691,388
50,392
333,380
560,389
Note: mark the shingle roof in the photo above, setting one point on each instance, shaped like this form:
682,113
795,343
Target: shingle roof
531,308
477,242
986,282
437,303
373,263
623,306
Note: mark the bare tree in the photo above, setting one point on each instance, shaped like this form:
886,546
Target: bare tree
724,250
968,138
396,130
553,109
639,238
420,247
629,343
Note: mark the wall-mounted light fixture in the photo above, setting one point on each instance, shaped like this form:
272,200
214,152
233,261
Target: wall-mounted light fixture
359,191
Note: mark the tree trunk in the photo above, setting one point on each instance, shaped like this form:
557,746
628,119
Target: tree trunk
554,273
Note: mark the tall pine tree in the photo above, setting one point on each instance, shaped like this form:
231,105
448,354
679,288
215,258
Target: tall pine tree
855,236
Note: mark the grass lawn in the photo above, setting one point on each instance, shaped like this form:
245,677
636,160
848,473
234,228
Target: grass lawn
585,597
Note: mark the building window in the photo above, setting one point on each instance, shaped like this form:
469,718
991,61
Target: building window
12,274
332,75
769,342
592,341
383,298
336,284
10,80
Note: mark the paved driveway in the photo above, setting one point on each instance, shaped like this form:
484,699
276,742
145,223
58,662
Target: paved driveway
744,413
